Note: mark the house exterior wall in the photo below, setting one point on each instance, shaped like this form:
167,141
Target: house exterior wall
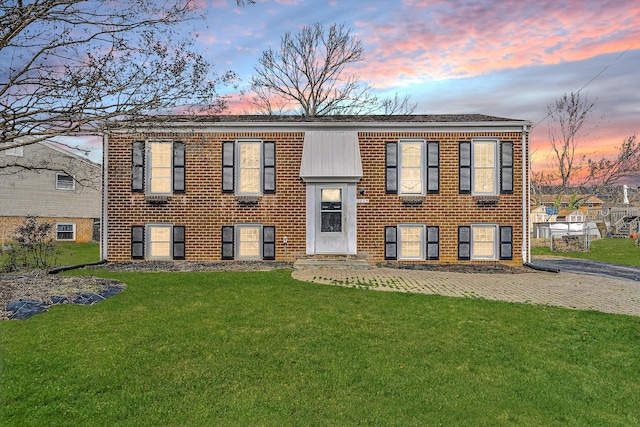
33,192
204,209
28,188
83,227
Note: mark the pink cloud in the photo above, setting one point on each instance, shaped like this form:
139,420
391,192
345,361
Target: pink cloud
456,39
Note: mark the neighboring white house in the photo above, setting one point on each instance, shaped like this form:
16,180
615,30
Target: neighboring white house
44,180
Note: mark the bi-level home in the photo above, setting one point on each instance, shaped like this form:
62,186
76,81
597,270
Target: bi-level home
414,189
46,180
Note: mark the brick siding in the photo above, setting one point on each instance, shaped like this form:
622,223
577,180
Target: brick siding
203,209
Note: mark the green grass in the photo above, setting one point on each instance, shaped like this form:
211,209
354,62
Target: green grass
617,251
69,254
77,253
239,349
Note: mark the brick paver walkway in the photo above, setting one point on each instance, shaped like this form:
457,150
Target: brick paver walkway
568,290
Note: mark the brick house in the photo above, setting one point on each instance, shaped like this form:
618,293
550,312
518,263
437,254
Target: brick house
58,186
419,189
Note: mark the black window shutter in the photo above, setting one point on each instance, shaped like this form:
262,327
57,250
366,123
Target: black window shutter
178,167
433,245
392,168
465,168
228,155
178,242
227,242
506,243
269,243
137,242
433,167
390,243
464,242
506,167
269,167
137,166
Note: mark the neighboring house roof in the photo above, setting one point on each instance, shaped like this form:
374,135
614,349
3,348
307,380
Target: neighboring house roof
550,199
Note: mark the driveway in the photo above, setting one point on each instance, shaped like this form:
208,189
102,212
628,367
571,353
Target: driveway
604,288
595,268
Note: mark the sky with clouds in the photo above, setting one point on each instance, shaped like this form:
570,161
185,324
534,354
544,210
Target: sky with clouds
503,57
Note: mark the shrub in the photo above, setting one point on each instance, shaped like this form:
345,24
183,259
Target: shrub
33,246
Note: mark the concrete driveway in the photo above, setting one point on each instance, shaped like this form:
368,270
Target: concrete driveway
565,289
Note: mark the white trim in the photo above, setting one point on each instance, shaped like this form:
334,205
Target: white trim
105,191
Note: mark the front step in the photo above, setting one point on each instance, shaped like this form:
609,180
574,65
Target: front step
331,263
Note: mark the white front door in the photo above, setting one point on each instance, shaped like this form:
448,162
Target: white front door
331,233
331,219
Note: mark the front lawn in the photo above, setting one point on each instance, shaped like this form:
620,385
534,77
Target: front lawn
617,251
239,349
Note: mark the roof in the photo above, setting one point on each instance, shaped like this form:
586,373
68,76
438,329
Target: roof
566,198
431,120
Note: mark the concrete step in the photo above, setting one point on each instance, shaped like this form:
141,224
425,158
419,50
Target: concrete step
331,263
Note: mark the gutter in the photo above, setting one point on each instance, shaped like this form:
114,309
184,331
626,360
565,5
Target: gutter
526,187
105,187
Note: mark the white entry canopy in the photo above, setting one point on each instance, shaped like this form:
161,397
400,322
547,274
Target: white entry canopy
331,156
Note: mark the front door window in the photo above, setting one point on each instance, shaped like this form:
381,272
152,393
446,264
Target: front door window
331,210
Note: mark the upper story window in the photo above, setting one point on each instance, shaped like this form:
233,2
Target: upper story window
158,167
65,182
486,167
248,167
412,167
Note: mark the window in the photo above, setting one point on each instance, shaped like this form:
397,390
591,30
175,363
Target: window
162,242
331,210
482,171
412,167
65,182
248,242
412,242
66,231
248,167
484,167
480,242
159,241
158,167
159,156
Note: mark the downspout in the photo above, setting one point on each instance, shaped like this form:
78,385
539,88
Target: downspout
105,187
526,188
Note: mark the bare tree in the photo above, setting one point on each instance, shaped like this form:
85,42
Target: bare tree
306,74
66,66
582,174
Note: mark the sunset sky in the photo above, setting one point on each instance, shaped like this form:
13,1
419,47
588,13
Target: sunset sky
504,58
